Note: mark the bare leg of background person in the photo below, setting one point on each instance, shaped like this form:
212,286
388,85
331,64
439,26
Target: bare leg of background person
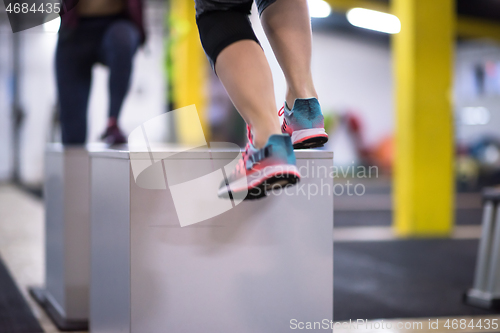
245,73
288,28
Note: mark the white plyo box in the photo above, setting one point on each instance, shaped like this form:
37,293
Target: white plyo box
253,268
67,236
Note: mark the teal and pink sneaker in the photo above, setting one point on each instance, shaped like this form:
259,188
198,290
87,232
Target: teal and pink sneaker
304,123
261,170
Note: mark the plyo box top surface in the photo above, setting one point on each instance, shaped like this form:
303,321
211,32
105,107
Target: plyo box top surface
55,148
184,152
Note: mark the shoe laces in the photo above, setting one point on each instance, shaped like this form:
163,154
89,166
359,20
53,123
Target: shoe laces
281,111
241,166
249,135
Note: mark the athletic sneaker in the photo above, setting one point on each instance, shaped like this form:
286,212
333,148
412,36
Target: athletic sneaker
304,123
261,170
113,136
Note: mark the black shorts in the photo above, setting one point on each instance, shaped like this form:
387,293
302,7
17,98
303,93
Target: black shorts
203,6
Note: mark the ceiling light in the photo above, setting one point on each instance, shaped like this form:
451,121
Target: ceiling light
374,20
319,8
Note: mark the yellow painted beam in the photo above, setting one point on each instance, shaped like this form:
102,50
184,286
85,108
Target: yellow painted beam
471,27
423,174
468,27
189,71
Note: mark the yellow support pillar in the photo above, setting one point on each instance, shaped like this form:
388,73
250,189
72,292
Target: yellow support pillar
423,174
189,72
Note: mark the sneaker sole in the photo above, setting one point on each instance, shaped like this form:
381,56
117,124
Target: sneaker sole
273,177
309,138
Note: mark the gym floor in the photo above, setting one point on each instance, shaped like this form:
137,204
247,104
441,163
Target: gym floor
358,220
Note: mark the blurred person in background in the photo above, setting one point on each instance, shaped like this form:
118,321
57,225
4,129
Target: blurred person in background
96,31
